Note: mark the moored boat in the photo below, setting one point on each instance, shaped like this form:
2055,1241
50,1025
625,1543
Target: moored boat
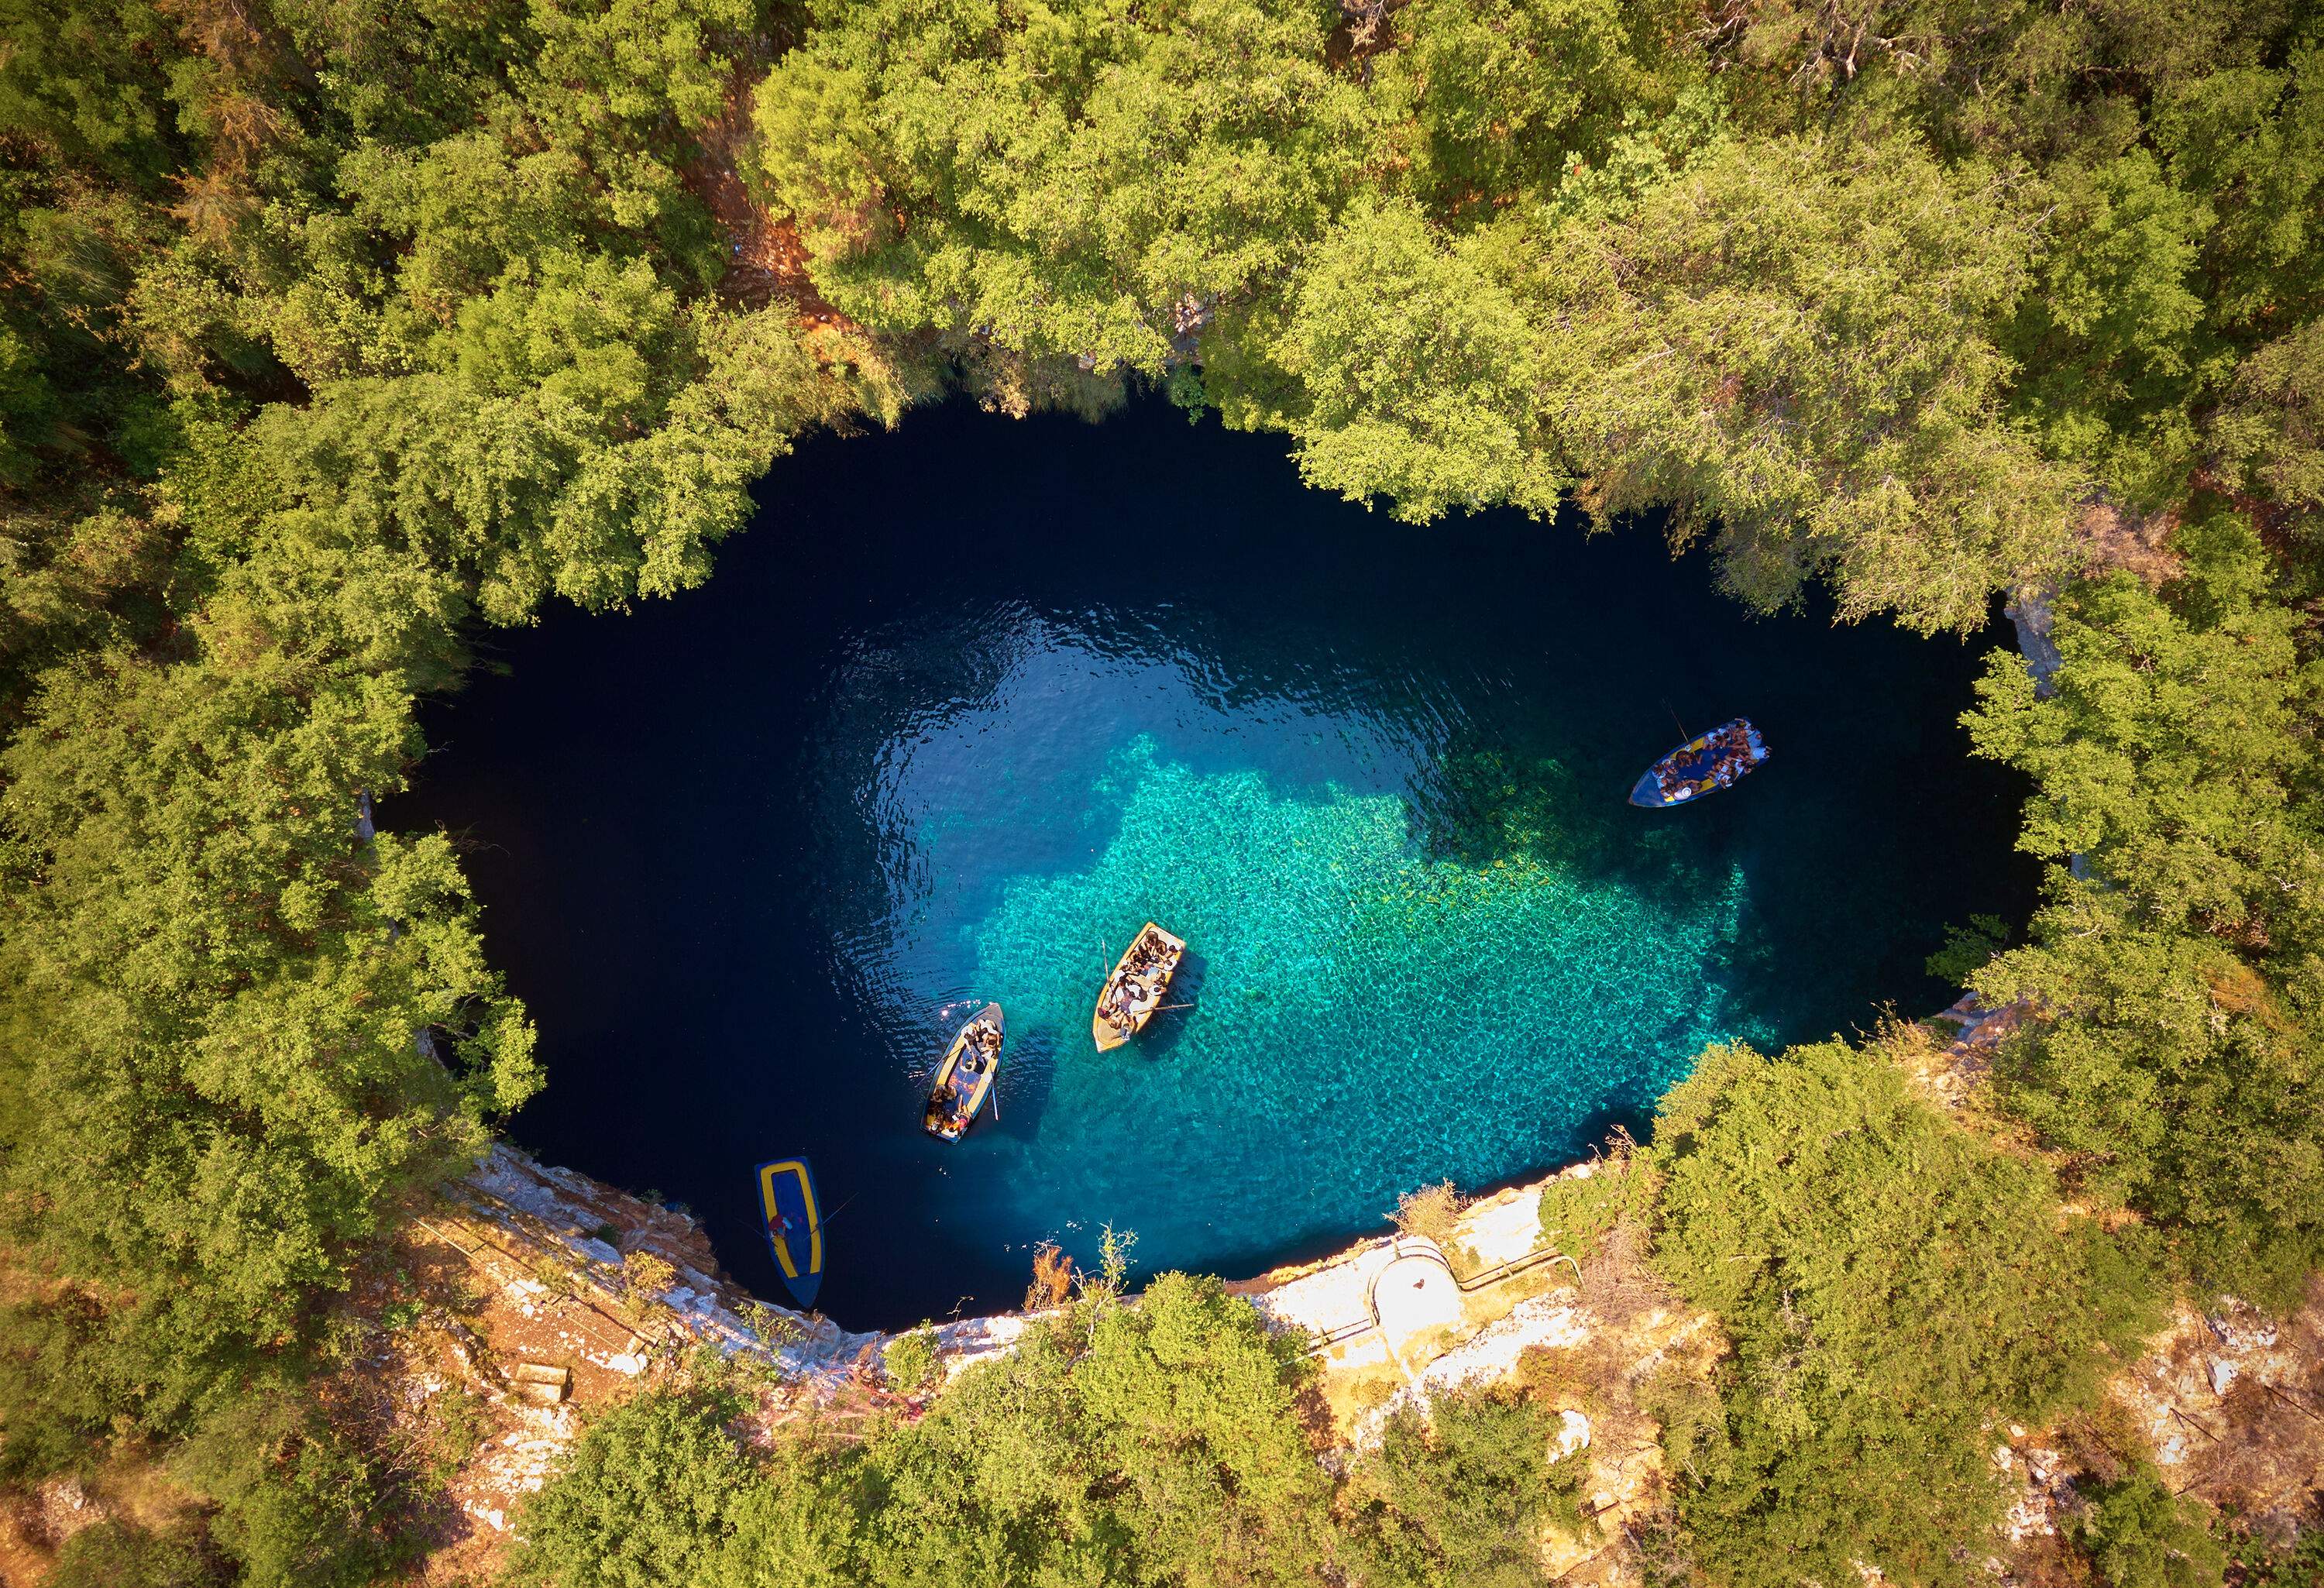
964,1079
1134,991
794,1224
1701,766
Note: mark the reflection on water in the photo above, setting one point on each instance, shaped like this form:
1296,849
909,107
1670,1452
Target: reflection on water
753,855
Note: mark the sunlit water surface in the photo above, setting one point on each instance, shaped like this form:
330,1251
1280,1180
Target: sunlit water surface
970,702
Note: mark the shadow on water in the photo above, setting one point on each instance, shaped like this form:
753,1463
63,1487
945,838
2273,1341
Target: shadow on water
1028,1071
1600,1125
1489,807
1180,1006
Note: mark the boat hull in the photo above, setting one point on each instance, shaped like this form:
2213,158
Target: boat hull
794,1223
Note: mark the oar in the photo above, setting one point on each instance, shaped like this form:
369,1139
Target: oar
1683,733
823,1223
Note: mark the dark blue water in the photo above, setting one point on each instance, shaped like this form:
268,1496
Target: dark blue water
971,701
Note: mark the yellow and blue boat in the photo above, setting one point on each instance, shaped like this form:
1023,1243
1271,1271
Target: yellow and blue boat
794,1224
1701,766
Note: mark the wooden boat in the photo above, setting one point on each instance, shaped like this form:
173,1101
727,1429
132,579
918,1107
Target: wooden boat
1134,991
1701,766
965,1080
794,1224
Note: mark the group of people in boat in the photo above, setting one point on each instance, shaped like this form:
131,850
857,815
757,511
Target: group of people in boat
1134,991
1131,995
965,1078
1713,762
1721,761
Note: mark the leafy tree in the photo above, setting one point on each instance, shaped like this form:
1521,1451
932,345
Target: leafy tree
1968,949
296,1504
2270,429
1890,1285
2247,138
2112,341
218,983
2016,78
649,1497
1788,345
1415,372
91,82
1085,182
1496,100
1459,1495
2139,1535
386,315
623,84
1154,1443
1148,1445
2176,975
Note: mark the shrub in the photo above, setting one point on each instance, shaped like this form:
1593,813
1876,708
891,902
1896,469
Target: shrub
1457,1496
120,1554
298,1506
1053,1277
648,1498
912,1361
2296,1564
1432,1213
57,1384
774,1329
1577,1212
2140,1535
648,1275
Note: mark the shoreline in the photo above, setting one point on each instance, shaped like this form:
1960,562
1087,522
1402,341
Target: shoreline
1391,1319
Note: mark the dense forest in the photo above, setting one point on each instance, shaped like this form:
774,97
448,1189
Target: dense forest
334,332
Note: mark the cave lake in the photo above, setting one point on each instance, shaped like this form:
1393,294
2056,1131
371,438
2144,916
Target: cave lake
970,701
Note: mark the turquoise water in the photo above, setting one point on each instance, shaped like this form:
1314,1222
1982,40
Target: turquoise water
971,701
1352,999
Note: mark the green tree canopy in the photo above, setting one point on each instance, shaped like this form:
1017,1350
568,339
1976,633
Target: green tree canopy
1789,344
2178,971
1891,1286
1084,181
1149,1444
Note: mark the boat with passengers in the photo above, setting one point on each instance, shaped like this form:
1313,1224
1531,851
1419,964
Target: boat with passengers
965,1080
1134,991
1701,766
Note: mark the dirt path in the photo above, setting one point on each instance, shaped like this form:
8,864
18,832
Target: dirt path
765,260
